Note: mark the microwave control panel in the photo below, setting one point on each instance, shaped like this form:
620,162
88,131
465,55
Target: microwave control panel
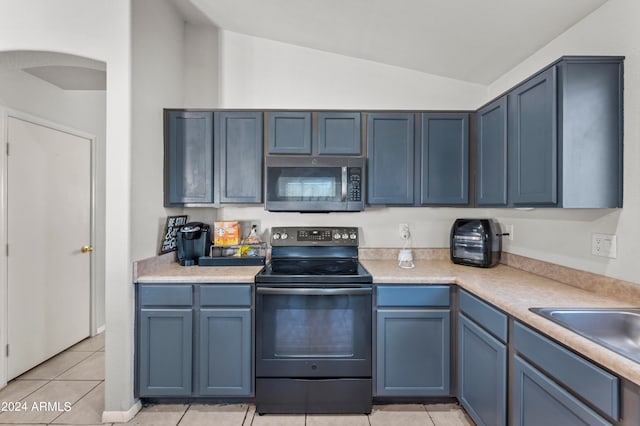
354,183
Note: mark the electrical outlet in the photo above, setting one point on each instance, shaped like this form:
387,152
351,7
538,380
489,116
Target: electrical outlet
604,245
507,228
404,231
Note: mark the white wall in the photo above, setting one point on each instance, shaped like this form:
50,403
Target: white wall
200,66
99,30
260,73
158,74
564,236
81,110
175,65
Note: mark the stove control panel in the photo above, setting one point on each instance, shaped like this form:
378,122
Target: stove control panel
307,236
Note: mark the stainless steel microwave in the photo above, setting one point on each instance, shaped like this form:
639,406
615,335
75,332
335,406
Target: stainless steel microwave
314,183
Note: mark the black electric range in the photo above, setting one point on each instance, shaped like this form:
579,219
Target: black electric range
314,324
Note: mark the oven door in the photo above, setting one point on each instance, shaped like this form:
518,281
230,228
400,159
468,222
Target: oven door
313,332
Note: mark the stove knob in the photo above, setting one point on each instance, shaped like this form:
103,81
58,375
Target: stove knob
336,236
284,236
345,236
353,236
276,236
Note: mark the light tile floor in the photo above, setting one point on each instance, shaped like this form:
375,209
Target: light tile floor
66,389
76,378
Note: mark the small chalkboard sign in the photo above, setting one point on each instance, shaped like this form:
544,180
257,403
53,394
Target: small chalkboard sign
169,241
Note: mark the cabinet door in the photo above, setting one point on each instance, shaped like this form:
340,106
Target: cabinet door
444,176
165,347
413,352
188,157
390,145
537,400
290,133
533,150
339,133
482,374
240,146
492,154
225,352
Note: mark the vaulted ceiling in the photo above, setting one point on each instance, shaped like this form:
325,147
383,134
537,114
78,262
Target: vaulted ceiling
470,40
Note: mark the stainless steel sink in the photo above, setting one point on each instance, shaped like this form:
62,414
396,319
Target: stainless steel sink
616,329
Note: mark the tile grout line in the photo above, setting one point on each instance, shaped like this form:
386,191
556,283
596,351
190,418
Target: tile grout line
433,422
64,372
246,414
79,399
183,414
53,378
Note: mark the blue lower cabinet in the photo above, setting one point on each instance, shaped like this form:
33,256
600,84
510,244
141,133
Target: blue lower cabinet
225,352
413,352
194,340
165,352
537,400
482,374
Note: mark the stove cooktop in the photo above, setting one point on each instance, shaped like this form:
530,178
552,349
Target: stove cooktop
314,255
313,271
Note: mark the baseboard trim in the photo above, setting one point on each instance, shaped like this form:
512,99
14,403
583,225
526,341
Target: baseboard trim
101,329
121,416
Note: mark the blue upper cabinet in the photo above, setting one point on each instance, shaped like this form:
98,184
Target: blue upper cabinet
590,110
289,132
390,151
188,157
339,133
444,177
565,135
492,154
533,142
239,149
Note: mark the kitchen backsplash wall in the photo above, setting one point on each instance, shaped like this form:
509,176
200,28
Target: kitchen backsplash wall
379,226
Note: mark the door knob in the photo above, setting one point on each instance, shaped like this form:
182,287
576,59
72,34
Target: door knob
86,249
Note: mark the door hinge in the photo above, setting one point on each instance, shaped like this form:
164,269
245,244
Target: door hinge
7,149
7,250
7,349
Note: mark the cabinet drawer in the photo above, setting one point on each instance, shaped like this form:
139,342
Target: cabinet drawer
581,376
413,295
225,295
484,314
165,295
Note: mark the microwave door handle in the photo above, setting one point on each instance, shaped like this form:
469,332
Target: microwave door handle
344,184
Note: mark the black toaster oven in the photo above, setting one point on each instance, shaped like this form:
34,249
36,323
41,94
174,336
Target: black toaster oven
476,242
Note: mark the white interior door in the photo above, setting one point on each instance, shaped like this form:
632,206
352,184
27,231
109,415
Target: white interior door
48,222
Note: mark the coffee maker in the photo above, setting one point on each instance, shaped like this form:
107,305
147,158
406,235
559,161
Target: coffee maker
194,239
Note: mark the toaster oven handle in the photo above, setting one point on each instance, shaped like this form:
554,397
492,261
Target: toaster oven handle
314,291
344,184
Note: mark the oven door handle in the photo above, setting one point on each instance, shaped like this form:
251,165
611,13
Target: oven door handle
314,291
